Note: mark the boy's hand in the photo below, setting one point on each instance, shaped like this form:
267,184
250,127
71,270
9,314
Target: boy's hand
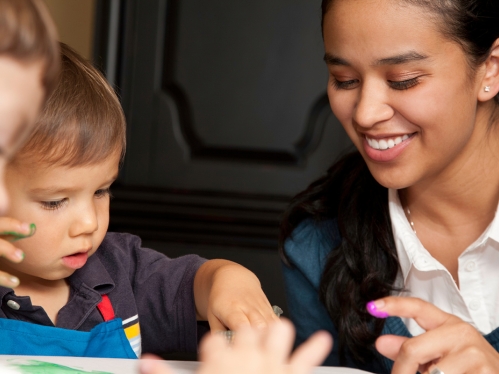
229,296
11,230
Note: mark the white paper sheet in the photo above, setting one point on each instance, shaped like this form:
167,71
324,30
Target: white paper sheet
79,365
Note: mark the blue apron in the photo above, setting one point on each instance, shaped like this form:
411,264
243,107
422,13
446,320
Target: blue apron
106,340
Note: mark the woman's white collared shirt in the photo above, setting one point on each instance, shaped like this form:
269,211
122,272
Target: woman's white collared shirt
422,276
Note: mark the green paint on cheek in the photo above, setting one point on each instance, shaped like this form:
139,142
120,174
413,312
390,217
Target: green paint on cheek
40,367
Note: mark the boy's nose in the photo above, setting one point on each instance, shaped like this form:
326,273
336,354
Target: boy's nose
86,221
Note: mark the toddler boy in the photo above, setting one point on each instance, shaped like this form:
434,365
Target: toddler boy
86,292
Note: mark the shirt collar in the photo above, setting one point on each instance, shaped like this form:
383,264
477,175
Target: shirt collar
401,228
493,229
410,251
94,275
3,292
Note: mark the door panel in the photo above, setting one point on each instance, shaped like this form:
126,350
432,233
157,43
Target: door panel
227,119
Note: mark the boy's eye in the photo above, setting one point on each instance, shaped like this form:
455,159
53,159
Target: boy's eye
103,192
53,205
404,85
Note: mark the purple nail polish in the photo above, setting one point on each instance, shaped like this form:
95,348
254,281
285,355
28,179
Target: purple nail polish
373,310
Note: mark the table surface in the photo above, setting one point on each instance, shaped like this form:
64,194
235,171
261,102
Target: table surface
75,365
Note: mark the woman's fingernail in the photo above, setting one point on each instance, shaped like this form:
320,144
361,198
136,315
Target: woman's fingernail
19,254
373,307
14,281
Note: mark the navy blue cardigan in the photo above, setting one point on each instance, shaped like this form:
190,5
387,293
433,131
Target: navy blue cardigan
307,250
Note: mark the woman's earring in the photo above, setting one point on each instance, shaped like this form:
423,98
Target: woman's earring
487,88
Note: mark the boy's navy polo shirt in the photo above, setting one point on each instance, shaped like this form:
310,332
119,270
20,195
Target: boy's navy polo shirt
143,286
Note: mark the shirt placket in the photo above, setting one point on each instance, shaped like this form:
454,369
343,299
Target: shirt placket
471,288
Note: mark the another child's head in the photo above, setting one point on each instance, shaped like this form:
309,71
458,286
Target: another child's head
29,64
60,178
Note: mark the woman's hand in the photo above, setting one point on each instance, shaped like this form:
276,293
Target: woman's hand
229,296
449,343
256,351
11,230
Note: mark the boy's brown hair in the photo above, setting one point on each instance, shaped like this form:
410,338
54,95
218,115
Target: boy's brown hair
27,34
82,122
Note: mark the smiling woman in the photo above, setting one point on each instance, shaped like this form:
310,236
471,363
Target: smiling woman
379,92
414,84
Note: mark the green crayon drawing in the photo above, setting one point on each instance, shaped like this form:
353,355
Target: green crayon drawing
41,367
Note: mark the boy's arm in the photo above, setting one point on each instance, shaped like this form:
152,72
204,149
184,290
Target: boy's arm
230,296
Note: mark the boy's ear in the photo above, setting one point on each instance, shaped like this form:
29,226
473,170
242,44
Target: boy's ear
490,80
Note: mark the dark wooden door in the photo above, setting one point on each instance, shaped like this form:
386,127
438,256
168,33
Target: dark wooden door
227,119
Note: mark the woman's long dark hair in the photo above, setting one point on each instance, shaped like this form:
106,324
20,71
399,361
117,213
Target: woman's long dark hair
364,266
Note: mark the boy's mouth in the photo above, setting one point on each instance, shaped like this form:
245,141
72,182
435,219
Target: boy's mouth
76,260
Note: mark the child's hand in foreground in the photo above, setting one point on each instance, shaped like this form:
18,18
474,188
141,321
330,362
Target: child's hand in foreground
8,227
229,296
256,352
